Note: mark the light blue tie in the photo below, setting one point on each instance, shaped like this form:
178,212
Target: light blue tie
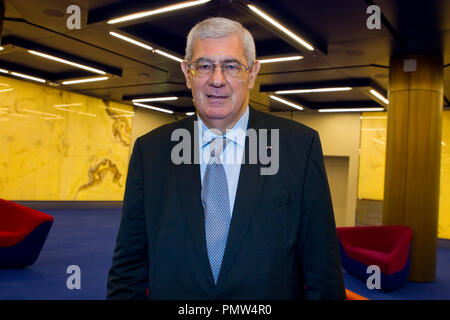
216,203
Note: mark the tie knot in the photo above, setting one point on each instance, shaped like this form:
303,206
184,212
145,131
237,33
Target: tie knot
217,146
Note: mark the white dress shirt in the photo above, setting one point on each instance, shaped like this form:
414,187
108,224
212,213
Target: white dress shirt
231,156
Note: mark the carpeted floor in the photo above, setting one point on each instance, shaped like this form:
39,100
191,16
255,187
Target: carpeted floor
86,238
436,290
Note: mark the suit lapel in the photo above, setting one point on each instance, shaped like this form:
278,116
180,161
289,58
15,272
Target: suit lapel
248,191
189,189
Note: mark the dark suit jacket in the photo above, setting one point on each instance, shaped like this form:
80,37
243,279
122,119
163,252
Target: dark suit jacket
282,240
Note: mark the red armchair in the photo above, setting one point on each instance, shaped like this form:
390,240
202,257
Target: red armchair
388,247
23,232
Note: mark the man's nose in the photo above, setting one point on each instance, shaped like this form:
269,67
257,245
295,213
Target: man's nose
217,78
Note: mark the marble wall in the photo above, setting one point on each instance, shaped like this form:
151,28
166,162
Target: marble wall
58,145
372,164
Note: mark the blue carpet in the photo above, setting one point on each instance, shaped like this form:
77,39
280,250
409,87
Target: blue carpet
86,238
436,290
78,237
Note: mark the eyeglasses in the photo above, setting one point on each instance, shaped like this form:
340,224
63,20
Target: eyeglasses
233,69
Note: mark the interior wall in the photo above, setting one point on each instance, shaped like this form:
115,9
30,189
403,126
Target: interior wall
340,137
371,172
337,174
146,120
57,145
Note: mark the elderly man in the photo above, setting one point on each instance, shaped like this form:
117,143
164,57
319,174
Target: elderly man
218,229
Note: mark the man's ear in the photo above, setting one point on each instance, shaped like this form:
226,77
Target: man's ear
253,73
185,69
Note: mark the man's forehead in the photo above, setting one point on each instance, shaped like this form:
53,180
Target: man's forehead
224,48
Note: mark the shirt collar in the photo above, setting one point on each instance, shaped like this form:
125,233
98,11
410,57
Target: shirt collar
236,134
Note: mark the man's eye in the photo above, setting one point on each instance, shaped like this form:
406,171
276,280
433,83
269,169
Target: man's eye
231,66
205,66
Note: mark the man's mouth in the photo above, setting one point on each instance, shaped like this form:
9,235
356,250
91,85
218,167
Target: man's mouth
212,96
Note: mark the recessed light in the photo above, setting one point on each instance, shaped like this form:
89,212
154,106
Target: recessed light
143,14
351,110
280,27
128,39
168,55
84,80
152,107
155,99
280,59
286,102
379,96
74,64
315,90
26,76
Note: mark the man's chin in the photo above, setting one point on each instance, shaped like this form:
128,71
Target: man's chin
217,113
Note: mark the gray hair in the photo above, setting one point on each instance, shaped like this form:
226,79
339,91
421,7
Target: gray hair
219,27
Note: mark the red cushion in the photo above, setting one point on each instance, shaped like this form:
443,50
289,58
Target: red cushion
385,246
17,221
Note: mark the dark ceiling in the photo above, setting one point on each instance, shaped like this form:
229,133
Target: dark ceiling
346,53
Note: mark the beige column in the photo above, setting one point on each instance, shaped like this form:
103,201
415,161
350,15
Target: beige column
413,155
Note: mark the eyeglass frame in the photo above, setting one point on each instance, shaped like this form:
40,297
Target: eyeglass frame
194,73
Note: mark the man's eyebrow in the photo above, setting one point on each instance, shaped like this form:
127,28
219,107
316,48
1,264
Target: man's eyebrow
226,60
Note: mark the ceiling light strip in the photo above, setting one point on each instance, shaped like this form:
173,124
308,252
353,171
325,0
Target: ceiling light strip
25,76
291,104
168,55
145,46
143,14
84,80
155,99
280,27
351,110
74,64
379,96
152,107
314,90
135,42
281,59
